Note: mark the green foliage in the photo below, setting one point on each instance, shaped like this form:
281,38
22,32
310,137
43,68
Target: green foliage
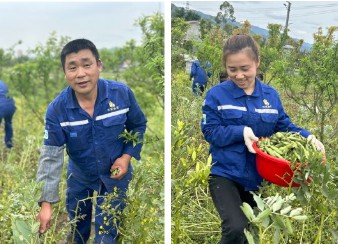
226,12
194,219
22,233
187,15
274,212
39,79
311,81
244,28
113,61
279,215
144,69
274,39
192,213
142,221
143,217
210,49
179,28
130,137
205,26
25,208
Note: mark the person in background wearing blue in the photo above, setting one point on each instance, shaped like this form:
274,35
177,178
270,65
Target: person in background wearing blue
88,117
7,110
235,113
200,77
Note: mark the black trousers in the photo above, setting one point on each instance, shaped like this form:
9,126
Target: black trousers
228,196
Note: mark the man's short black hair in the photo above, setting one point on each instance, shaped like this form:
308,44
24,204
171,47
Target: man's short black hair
76,46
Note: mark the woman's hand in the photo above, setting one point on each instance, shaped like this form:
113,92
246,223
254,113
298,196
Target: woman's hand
316,142
249,138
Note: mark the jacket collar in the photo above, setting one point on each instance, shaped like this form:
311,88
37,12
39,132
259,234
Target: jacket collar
238,92
102,94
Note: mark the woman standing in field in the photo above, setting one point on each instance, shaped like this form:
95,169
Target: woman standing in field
235,113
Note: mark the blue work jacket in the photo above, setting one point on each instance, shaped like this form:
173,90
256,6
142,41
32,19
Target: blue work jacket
93,143
3,89
199,74
226,111
7,104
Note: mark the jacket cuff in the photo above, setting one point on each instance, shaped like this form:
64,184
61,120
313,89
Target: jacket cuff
133,151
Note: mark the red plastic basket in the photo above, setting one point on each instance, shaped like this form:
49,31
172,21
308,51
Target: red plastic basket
274,170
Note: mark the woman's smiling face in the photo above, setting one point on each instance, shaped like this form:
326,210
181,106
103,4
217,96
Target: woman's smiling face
242,69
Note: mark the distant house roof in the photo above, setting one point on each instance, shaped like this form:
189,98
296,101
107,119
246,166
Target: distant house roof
288,47
193,31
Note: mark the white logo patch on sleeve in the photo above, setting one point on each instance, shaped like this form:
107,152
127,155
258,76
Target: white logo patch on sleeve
46,134
204,119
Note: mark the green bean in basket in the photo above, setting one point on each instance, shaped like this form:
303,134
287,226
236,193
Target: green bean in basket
289,146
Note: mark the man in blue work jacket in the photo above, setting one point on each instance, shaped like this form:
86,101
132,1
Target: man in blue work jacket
200,76
7,109
88,117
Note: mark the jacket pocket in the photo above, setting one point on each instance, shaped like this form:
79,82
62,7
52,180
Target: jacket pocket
115,120
77,139
267,125
231,114
269,118
114,126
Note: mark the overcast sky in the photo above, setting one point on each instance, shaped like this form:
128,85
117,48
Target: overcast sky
107,24
111,24
305,16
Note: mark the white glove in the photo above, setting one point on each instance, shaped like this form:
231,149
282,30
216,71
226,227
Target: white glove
316,142
249,138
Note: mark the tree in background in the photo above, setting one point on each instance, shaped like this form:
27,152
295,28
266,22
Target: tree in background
210,50
272,49
226,13
39,79
205,26
244,28
312,81
186,14
147,61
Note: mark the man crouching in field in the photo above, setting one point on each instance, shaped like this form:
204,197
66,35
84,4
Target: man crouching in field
87,117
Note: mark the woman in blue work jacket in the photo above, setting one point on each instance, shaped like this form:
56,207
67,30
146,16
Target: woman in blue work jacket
88,118
7,110
235,113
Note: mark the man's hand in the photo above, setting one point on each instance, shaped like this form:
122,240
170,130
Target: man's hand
45,216
120,166
249,138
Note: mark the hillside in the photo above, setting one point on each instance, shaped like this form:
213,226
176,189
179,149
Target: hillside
254,30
